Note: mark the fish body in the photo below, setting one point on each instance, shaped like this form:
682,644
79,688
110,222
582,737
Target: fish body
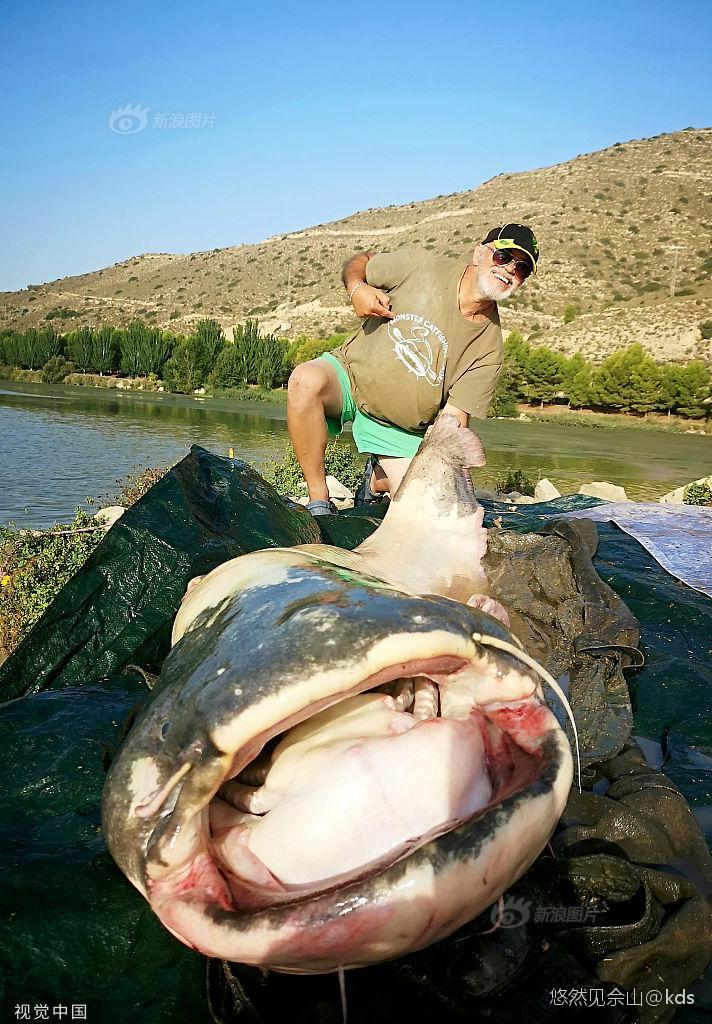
336,768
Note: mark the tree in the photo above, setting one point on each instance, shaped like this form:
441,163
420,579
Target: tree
504,399
80,346
646,385
570,313
544,371
694,389
571,367
516,354
612,384
105,349
205,346
179,373
273,369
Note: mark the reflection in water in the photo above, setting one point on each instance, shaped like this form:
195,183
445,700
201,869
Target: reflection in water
60,444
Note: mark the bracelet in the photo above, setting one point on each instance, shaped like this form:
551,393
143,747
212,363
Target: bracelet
354,290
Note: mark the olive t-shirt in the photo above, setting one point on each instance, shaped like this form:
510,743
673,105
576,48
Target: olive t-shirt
404,370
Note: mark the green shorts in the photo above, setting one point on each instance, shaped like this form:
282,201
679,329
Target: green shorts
369,435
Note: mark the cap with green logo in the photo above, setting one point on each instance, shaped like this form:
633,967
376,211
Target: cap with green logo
514,236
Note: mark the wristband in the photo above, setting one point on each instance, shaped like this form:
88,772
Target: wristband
354,290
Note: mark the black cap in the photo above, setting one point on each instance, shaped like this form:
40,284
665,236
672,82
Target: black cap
514,236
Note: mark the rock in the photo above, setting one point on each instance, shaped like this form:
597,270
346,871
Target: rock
524,499
523,418
337,489
602,489
545,491
483,493
109,515
675,497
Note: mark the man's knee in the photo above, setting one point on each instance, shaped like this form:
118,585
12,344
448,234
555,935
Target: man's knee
312,383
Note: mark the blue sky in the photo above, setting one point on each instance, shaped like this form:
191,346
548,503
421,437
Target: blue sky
311,111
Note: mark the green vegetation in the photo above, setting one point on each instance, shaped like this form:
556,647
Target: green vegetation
697,494
627,381
35,564
570,313
252,358
340,461
515,480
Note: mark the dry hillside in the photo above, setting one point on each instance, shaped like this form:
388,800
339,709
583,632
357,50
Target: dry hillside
625,236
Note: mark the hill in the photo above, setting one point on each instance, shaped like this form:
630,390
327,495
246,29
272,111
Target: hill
625,234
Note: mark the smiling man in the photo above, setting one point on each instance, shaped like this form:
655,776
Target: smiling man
430,342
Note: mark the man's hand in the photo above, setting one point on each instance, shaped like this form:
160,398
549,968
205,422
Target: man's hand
370,301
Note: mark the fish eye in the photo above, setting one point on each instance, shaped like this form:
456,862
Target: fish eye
165,728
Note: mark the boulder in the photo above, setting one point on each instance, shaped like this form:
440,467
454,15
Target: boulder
602,489
337,489
109,515
545,491
676,497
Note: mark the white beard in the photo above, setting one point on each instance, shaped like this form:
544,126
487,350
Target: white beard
490,288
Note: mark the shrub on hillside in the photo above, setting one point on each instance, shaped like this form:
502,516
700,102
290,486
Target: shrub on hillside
570,313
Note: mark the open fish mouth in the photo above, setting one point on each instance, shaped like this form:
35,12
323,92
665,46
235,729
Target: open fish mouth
310,804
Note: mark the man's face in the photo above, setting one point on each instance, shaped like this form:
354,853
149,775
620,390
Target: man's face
496,282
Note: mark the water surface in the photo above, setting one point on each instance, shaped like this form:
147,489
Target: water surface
61,444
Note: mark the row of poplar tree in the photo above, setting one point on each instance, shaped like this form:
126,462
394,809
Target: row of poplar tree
183,362
626,381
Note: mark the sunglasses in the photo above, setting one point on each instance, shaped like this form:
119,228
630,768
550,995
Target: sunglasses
504,257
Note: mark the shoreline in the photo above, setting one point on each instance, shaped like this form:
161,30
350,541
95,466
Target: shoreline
553,413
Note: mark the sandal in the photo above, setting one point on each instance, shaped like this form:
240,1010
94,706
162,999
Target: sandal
322,508
364,495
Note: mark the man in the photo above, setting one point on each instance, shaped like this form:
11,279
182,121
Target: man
430,342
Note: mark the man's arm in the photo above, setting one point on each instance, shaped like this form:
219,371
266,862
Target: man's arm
452,410
366,300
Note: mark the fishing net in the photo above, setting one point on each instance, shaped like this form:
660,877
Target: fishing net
618,903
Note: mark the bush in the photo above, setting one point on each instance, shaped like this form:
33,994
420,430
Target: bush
34,567
35,564
56,369
697,494
570,313
61,313
706,329
515,480
339,461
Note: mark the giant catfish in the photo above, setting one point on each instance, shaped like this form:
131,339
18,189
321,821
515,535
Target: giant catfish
343,760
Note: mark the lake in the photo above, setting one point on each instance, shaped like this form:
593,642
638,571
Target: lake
61,444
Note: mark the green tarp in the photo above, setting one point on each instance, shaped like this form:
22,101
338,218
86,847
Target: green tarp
72,929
